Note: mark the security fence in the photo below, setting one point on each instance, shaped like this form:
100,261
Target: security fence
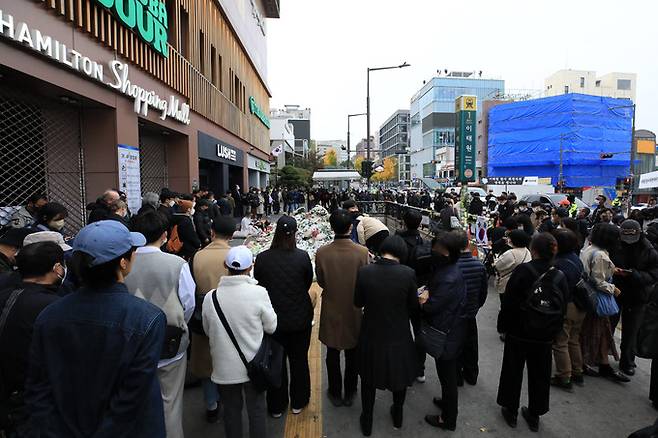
40,152
152,163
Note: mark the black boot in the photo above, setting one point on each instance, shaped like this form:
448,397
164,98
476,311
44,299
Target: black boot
396,415
510,416
366,424
532,420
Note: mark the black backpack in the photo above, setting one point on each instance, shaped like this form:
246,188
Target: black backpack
420,259
542,312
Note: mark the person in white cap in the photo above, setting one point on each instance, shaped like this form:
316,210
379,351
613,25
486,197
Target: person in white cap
249,314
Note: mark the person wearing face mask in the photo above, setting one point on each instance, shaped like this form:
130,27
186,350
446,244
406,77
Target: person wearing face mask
52,217
91,394
523,208
24,217
599,209
536,209
42,268
443,304
354,213
167,202
183,227
69,284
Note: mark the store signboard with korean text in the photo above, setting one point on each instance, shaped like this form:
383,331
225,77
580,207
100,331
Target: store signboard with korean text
465,123
147,18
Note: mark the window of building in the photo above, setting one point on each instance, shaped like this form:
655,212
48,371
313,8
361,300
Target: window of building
582,82
566,89
220,74
202,53
623,84
213,65
184,45
597,83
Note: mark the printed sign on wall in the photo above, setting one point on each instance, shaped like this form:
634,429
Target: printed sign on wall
129,176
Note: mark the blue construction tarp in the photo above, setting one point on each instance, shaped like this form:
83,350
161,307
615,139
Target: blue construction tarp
525,138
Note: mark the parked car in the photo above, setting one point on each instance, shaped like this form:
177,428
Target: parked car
551,200
471,190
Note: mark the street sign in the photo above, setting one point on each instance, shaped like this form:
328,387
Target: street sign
465,124
648,180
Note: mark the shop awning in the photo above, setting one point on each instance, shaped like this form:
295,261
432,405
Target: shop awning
343,175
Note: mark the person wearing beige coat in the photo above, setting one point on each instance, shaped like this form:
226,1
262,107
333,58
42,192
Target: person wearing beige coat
208,267
336,267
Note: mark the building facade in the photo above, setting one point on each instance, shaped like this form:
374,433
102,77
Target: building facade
617,85
646,160
339,146
95,96
394,139
432,122
282,141
300,119
361,149
483,132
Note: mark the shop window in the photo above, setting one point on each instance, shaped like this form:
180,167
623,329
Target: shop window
184,34
623,84
582,82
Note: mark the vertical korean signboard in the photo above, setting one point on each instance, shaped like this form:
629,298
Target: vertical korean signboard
129,176
465,155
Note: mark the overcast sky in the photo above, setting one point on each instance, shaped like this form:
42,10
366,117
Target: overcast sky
318,51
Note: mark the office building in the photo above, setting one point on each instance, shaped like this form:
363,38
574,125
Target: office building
617,85
394,139
362,146
282,142
432,123
300,119
89,100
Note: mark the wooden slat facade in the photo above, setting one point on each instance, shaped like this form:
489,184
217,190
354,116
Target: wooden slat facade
181,74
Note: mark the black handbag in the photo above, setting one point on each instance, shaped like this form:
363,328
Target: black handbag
647,335
433,340
265,368
585,295
173,337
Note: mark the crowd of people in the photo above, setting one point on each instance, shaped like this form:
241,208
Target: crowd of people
98,333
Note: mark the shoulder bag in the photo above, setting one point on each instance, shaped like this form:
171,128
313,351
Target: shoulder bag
265,368
584,294
606,305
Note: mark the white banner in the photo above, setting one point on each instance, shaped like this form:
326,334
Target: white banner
129,176
649,180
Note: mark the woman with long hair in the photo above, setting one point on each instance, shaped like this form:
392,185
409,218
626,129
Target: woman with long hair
596,335
286,272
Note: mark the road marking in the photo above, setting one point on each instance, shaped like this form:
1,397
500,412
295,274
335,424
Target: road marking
308,424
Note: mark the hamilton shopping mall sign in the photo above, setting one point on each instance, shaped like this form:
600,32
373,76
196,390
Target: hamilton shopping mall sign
147,18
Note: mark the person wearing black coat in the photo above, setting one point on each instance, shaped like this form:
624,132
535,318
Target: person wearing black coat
522,348
443,304
43,267
186,232
386,290
476,206
287,274
636,272
475,276
202,221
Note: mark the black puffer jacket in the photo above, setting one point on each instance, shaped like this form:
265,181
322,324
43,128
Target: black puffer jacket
187,235
475,277
287,276
642,259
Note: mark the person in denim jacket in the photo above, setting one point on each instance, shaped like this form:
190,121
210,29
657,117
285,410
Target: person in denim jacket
94,353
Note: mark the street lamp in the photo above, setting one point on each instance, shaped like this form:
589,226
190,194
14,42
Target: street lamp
349,160
368,105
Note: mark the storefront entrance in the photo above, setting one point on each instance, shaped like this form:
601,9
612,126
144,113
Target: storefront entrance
40,152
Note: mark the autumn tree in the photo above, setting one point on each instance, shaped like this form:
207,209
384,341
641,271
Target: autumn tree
330,158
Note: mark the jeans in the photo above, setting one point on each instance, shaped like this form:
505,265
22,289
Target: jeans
210,393
447,372
233,397
334,375
295,350
631,318
537,356
566,346
467,362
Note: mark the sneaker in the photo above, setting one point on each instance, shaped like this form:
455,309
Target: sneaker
420,379
532,420
212,415
297,411
577,379
562,383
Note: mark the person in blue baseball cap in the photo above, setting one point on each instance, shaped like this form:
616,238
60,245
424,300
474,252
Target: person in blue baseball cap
102,343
